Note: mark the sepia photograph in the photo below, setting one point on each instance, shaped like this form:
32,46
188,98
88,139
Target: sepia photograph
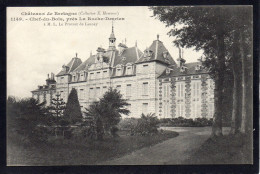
129,85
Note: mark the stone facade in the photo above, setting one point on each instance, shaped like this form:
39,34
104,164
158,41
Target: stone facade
151,81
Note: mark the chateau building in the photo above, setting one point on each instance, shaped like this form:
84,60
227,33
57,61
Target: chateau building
151,81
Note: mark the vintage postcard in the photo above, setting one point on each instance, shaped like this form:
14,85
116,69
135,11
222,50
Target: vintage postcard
129,85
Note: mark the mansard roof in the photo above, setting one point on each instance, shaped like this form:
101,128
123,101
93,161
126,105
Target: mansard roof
157,49
73,64
84,66
129,55
191,69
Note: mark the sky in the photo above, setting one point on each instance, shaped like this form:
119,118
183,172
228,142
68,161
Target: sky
34,50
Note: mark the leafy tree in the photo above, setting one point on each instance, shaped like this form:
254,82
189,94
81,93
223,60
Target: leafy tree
215,31
72,112
106,112
94,116
114,105
23,117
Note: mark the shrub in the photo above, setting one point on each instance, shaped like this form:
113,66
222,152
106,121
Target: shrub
146,125
114,131
185,122
127,123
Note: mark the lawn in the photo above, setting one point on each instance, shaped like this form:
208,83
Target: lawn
228,149
60,151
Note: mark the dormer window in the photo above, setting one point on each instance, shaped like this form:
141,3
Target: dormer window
165,54
168,71
129,70
148,53
183,69
198,67
118,71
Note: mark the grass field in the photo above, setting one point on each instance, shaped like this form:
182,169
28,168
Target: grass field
60,151
228,149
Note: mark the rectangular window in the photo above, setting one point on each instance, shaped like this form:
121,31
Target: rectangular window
129,71
81,94
195,90
211,110
128,90
118,72
180,110
82,77
98,75
104,90
180,88
74,78
118,87
61,79
98,94
145,108
145,68
91,93
166,90
105,74
91,76
145,88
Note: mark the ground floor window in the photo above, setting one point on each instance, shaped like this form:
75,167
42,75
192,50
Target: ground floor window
145,108
180,110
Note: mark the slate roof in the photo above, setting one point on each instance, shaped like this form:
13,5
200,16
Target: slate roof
84,66
191,69
131,56
157,48
73,64
45,89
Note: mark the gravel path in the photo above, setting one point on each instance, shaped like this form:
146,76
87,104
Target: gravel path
172,151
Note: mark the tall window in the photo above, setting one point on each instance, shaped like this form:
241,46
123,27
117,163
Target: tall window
180,110
81,77
129,70
81,94
98,75
118,87
145,108
128,90
91,76
118,71
211,109
91,93
98,92
145,88
166,110
74,78
180,89
166,90
196,109
145,68
105,74
195,90
61,79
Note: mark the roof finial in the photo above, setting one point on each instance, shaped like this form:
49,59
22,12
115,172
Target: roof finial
125,41
48,76
157,36
112,26
76,55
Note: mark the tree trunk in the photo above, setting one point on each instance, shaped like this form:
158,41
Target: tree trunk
218,93
236,120
241,49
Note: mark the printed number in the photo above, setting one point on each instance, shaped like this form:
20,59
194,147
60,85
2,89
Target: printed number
16,19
